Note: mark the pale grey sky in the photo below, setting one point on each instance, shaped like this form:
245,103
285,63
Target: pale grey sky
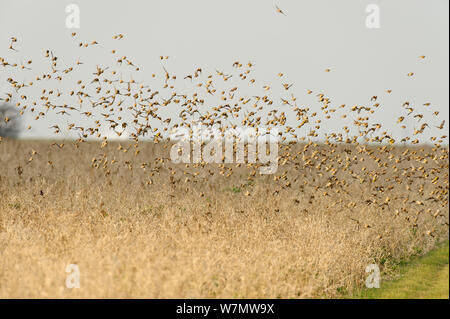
315,35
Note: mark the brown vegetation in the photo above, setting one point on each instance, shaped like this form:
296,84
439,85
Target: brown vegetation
140,226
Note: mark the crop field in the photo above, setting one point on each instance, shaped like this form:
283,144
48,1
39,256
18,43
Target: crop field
153,233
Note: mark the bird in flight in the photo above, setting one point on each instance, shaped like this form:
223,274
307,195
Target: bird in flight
279,10
442,125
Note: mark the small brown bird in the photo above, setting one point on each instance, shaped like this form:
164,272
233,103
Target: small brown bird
280,11
441,126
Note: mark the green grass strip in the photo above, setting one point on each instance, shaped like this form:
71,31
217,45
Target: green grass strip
425,277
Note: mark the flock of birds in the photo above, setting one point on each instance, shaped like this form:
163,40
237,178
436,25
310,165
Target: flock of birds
361,152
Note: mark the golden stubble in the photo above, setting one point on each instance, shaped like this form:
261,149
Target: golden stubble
204,239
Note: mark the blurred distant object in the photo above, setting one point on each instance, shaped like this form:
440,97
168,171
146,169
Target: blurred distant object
9,121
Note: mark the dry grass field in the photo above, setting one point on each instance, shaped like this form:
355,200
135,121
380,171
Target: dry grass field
142,227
